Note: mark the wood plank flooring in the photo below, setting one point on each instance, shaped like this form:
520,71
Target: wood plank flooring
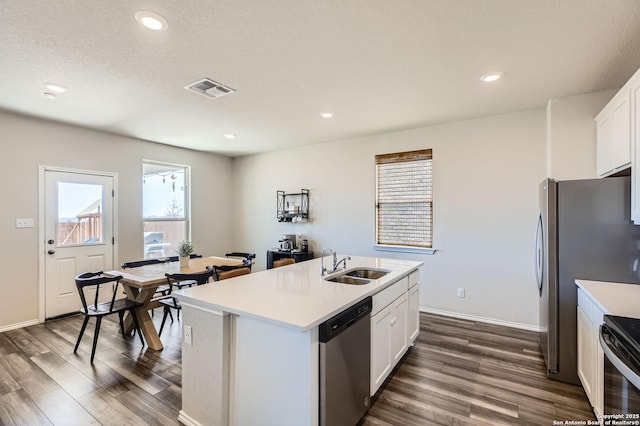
458,373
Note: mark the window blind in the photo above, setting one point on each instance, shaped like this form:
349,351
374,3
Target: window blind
404,202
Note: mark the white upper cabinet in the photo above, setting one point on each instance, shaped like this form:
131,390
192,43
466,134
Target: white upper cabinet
619,138
614,135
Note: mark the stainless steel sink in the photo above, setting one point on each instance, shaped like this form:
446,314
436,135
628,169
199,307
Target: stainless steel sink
358,276
372,274
344,279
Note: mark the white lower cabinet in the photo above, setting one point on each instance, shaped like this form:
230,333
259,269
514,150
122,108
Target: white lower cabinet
590,354
380,347
394,326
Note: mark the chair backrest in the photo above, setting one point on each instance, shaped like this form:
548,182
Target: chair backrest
283,262
247,257
224,272
95,279
176,258
199,277
138,263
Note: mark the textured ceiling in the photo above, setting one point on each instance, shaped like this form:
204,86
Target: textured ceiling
379,65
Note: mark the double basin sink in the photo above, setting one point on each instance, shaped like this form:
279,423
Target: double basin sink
358,276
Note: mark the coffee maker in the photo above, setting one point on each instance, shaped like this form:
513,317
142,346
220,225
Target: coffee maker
287,242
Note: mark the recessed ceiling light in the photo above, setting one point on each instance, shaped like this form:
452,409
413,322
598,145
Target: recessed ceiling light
491,77
151,20
56,88
49,95
326,115
229,136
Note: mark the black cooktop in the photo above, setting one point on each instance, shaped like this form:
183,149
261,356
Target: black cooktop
627,330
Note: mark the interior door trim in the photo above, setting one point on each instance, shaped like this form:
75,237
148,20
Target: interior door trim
42,170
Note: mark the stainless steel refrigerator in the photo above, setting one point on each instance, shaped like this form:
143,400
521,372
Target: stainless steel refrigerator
584,231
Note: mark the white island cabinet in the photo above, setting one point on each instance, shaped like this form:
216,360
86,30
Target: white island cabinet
395,324
253,352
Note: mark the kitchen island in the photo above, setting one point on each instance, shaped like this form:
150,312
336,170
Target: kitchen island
250,344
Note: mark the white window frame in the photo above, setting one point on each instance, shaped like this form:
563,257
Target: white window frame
187,200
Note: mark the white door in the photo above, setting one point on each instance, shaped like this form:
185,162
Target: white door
78,233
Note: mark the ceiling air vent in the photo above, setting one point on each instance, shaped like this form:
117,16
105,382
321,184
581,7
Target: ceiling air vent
209,88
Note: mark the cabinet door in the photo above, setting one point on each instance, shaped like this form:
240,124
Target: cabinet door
380,347
604,145
587,356
635,172
399,328
413,314
621,143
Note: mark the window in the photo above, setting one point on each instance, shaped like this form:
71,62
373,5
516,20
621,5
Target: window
404,200
165,208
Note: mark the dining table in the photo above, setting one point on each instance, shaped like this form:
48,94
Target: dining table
141,283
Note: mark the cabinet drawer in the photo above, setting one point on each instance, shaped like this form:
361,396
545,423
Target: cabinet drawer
389,294
585,303
590,309
414,278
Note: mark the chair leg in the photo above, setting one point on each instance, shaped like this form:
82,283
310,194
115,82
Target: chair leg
121,316
134,317
84,325
167,311
171,315
95,338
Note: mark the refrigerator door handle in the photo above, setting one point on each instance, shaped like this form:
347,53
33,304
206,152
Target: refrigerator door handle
539,253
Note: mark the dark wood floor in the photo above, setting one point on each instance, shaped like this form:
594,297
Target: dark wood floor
459,372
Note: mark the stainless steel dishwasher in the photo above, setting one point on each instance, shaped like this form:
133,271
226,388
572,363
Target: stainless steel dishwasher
345,360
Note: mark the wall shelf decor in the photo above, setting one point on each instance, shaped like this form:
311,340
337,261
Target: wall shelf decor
293,207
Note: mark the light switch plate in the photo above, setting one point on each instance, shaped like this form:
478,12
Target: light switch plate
24,222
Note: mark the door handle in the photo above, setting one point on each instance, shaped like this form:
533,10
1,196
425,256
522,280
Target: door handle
50,242
51,251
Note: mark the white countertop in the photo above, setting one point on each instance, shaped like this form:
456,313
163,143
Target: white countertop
294,296
614,298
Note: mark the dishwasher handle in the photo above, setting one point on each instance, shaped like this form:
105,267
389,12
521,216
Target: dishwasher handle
345,319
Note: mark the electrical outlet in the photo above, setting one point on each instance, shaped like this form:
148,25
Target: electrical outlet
187,335
461,292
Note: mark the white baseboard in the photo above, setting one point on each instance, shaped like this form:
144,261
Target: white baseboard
481,319
186,420
19,325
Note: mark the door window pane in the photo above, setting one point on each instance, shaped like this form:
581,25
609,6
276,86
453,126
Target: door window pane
79,214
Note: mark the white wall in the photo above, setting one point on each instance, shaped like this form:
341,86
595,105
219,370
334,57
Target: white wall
26,143
486,176
571,135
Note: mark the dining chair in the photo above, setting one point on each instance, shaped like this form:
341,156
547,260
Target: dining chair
177,258
180,281
138,263
224,272
247,257
98,310
283,262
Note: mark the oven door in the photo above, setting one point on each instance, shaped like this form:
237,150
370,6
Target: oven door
621,377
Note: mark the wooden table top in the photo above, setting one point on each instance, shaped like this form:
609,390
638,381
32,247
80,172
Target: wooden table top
153,275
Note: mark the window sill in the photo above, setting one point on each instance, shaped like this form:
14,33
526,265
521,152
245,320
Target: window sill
400,249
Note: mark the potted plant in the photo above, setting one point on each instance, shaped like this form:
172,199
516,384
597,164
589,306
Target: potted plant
185,248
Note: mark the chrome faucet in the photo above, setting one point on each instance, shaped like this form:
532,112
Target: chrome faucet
343,260
335,262
323,270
